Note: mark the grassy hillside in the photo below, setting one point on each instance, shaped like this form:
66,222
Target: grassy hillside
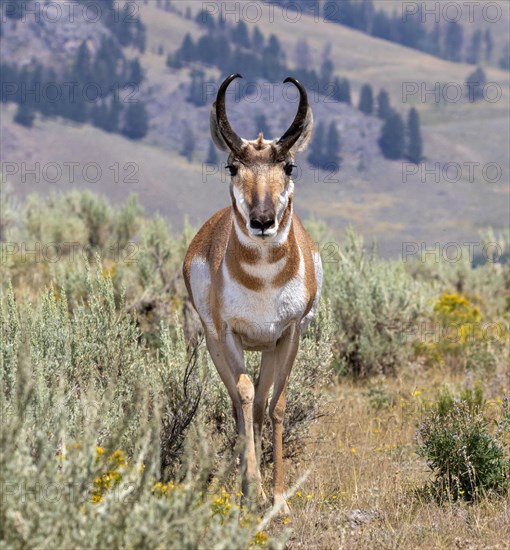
164,181
369,192
493,15
376,201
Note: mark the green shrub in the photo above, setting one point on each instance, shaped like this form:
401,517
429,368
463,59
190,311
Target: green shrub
467,460
378,397
374,304
73,381
78,372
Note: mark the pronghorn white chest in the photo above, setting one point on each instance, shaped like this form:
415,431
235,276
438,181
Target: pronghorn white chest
260,316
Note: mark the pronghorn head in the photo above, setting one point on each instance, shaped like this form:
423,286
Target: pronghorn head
261,169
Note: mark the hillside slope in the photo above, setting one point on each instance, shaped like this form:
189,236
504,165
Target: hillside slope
371,193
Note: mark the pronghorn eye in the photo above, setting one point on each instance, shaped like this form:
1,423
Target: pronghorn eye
232,168
288,168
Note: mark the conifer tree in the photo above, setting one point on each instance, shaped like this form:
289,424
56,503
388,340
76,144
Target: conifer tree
474,51
453,41
489,44
303,55
433,43
382,26
136,74
187,49
205,19
106,116
212,154
344,93
51,103
475,83
326,75
136,122
257,39
114,114
392,140
316,155
25,115
99,115
366,102
188,144
140,40
504,60
333,146
82,67
197,94
240,34
383,105
414,147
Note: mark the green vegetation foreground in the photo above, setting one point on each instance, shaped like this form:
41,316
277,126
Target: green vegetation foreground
116,431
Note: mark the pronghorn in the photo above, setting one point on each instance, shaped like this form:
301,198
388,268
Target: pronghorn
254,277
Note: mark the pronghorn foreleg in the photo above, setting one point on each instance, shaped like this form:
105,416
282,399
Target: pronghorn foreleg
228,358
284,355
262,387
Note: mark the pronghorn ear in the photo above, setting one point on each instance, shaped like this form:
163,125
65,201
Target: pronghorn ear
306,135
215,131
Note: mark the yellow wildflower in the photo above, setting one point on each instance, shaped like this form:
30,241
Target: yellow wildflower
261,538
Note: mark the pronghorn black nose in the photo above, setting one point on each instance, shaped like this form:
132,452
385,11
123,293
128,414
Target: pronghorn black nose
262,222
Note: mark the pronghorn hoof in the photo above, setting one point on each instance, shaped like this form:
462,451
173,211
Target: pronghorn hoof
280,505
258,500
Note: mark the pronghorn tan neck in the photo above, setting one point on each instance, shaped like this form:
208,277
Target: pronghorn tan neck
281,257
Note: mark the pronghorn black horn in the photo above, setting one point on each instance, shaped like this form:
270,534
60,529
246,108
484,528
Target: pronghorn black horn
290,137
234,142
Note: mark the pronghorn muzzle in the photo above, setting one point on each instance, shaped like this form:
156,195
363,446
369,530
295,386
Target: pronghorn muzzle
262,216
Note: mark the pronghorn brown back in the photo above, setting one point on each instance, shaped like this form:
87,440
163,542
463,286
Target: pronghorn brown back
254,277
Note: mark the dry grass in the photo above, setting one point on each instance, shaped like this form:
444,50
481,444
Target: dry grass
364,473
